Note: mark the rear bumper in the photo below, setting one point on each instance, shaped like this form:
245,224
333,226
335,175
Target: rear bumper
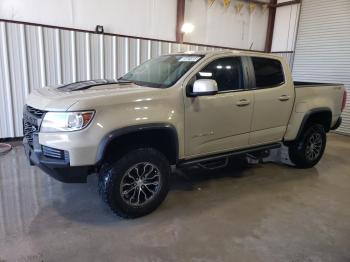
59,169
337,124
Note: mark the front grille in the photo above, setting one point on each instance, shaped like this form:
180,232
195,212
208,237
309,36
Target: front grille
31,119
28,131
36,112
54,153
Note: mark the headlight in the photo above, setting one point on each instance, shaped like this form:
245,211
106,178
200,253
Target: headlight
66,121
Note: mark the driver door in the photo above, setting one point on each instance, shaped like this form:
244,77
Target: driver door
221,122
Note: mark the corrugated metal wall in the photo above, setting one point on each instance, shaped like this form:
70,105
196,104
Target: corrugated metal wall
34,56
323,46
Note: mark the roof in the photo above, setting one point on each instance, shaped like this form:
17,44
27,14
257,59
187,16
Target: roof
236,52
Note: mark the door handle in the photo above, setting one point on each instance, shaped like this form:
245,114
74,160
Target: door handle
284,98
243,102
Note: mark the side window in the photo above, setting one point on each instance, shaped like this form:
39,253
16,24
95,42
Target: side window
268,72
227,72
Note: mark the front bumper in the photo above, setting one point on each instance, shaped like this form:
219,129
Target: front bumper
59,169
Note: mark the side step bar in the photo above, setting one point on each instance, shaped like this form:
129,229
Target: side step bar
195,161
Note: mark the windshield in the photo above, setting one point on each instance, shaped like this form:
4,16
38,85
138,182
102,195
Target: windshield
162,71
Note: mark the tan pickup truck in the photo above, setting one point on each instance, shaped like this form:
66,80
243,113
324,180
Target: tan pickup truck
176,110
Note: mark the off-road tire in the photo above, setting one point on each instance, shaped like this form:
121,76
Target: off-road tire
298,149
111,177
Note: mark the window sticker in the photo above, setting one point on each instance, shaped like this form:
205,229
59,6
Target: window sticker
189,58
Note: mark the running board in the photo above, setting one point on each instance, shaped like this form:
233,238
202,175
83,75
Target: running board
190,162
214,164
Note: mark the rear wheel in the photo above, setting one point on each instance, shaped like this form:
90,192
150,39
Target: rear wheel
136,184
309,148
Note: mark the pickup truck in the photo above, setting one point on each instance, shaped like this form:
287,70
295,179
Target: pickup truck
176,110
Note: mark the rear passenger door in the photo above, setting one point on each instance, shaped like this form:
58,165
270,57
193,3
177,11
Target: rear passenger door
273,100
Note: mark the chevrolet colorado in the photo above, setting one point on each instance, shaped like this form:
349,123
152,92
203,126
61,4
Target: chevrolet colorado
195,108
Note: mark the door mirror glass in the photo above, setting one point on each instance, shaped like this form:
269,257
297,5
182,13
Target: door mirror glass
204,87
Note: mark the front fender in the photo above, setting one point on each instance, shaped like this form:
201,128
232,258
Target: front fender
115,134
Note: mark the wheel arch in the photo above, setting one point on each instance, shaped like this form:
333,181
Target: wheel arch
321,116
154,135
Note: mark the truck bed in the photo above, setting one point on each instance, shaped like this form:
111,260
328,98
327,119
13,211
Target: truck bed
318,95
314,96
309,95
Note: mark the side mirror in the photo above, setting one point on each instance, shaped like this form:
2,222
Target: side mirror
204,87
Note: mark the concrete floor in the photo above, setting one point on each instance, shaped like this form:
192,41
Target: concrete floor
268,212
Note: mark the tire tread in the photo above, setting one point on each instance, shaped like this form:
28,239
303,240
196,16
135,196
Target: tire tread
296,148
108,178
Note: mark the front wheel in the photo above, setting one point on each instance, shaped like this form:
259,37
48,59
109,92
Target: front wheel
309,148
136,184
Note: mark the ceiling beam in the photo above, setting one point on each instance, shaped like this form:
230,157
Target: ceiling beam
273,5
256,2
288,3
270,25
180,16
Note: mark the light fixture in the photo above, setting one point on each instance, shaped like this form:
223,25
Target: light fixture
187,28
99,29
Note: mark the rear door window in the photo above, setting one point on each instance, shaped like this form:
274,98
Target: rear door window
268,72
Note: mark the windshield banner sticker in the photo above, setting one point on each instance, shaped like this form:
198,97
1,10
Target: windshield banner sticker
189,58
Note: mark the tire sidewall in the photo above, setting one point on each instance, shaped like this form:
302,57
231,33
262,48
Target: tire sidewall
115,175
298,151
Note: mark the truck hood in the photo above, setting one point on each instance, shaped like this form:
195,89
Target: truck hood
60,98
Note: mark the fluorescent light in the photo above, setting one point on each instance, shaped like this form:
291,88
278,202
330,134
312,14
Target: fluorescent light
187,28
